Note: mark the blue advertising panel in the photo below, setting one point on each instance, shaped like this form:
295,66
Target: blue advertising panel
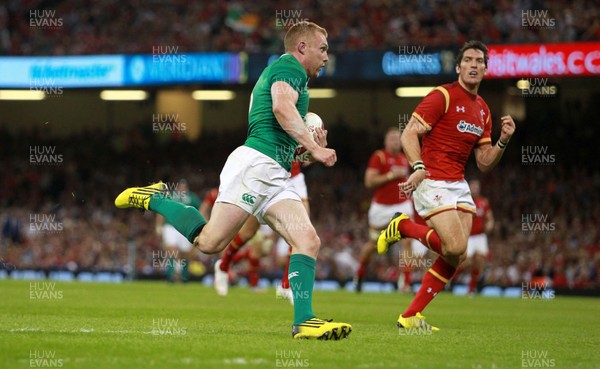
372,65
122,70
185,68
61,71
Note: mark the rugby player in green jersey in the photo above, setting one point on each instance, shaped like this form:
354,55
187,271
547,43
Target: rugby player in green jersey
256,179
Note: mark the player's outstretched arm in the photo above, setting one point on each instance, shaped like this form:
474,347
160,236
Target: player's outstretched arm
488,156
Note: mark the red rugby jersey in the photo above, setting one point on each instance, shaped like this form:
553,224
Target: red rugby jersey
456,121
384,162
482,207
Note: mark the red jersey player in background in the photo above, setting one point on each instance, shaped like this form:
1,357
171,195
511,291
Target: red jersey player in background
386,169
477,245
452,120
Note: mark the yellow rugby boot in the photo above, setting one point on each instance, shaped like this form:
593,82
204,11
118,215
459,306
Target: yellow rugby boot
391,234
321,330
139,197
415,322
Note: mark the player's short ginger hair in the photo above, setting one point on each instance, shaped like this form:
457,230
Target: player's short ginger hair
299,31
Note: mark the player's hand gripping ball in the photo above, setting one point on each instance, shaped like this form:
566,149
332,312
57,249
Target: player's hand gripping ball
312,122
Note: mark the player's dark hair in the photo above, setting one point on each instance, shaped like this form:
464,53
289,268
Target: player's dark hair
473,44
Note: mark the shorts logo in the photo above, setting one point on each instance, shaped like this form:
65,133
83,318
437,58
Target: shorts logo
467,127
248,199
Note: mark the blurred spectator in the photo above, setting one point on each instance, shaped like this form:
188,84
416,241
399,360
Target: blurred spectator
63,217
69,27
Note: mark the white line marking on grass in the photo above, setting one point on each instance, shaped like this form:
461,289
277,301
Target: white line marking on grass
242,361
25,329
80,330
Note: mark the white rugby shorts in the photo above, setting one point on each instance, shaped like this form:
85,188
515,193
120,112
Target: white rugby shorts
254,182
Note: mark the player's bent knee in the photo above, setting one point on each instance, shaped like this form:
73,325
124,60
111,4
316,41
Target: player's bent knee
455,250
310,244
210,248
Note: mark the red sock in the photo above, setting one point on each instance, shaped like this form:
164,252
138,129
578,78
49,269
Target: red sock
230,251
427,236
407,276
433,282
253,274
285,282
241,256
474,278
362,269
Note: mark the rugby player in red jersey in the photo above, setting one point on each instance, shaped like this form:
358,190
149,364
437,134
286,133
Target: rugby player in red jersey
452,120
386,169
477,245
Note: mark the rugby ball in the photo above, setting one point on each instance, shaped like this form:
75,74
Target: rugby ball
312,122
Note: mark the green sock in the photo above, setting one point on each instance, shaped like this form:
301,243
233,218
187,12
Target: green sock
187,220
302,280
171,269
185,273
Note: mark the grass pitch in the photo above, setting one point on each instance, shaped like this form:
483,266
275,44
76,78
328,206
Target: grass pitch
154,325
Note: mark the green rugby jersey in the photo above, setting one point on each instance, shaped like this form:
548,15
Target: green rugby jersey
265,134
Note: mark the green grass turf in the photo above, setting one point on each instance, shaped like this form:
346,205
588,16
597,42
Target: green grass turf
110,326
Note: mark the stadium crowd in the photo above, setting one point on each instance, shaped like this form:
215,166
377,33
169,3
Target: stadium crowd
61,216
70,27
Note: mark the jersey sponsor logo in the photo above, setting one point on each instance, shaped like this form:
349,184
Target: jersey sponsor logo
248,198
460,109
467,127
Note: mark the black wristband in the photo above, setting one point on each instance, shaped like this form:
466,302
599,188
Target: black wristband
418,165
501,145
